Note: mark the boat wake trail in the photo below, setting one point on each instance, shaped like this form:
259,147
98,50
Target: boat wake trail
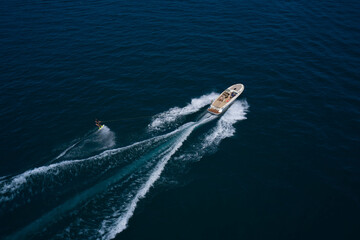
58,173
94,141
94,197
165,120
26,184
224,128
119,220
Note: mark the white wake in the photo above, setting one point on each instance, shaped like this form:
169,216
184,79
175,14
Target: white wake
224,128
162,120
147,161
120,224
91,192
13,187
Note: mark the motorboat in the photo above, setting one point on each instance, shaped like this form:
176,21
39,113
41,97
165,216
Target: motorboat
225,99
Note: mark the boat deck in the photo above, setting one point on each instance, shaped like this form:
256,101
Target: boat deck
225,98
221,101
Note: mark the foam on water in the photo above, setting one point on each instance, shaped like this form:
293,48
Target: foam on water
113,220
162,120
66,150
100,187
121,222
224,128
11,188
104,138
97,141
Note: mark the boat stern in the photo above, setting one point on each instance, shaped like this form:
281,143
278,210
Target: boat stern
214,111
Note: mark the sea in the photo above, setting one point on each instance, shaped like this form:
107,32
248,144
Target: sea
283,162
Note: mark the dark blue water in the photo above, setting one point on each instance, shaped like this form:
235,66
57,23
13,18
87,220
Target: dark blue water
281,163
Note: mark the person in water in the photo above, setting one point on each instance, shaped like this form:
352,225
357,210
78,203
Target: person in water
98,123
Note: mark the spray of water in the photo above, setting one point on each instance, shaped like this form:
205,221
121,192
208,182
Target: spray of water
224,128
122,220
165,119
131,172
17,185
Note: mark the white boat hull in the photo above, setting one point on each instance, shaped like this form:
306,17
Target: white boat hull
225,99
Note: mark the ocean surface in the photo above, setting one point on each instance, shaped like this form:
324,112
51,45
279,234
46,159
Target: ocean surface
282,163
